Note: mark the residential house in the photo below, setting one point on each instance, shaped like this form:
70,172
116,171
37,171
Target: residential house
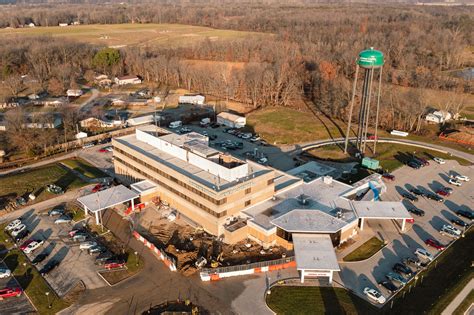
92,122
438,117
231,120
128,79
74,92
196,99
81,135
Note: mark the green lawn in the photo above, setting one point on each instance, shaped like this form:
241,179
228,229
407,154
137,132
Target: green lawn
22,184
84,168
366,250
462,308
288,126
30,280
316,300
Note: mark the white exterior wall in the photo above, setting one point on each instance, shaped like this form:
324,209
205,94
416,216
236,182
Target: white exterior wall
237,122
192,99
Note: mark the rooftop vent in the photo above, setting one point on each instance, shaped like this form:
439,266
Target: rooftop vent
303,199
327,180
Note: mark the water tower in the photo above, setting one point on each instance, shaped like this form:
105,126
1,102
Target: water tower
371,61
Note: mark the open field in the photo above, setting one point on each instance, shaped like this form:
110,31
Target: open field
83,168
390,155
316,300
366,250
22,184
120,35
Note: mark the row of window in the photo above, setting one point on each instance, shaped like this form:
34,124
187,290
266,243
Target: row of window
165,175
184,196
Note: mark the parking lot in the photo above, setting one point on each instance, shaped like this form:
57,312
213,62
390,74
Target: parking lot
356,276
13,305
75,265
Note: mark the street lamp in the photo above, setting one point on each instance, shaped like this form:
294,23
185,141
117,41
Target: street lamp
49,304
136,256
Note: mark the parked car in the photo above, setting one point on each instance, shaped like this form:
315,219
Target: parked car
114,264
374,295
416,191
443,192
13,225
21,236
389,286
414,165
463,178
76,231
63,219
423,254
460,223
41,257
87,245
10,292
98,249
455,182
5,273
52,264
423,160
388,176
416,211
33,246
415,262
25,244
434,243
466,214
409,196
102,258
18,230
439,160
55,212
98,188
88,145
79,237
402,269
451,228
393,276
255,138
434,197
449,233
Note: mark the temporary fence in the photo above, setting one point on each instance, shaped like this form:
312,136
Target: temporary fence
169,261
442,136
211,274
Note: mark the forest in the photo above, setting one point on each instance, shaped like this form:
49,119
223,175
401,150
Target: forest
308,57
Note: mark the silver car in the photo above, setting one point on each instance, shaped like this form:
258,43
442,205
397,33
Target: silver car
63,219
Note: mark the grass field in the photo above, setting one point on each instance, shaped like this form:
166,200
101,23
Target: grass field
366,250
390,155
288,126
120,35
462,308
316,300
22,184
84,168
30,280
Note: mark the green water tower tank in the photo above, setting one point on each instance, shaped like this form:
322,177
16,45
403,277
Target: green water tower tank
370,58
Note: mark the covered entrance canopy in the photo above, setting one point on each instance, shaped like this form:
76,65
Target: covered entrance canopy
107,198
315,256
390,210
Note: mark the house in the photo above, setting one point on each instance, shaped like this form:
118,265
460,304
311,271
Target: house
52,124
92,122
81,135
52,101
438,117
140,120
9,104
196,99
118,102
231,120
63,24
128,79
74,92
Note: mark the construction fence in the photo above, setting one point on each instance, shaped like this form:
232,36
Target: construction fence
168,261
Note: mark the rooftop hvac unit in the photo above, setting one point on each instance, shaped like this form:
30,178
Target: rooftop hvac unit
327,180
303,199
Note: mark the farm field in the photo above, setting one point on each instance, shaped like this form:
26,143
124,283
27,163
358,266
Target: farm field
121,35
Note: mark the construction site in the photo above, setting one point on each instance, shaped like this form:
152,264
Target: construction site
191,248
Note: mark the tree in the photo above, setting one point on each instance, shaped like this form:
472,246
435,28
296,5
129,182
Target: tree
14,83
105,59
55,87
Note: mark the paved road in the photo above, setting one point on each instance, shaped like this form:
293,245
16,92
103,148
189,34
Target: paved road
315,144
87,104
459,298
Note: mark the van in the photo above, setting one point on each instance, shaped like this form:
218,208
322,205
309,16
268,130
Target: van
205,122
175,124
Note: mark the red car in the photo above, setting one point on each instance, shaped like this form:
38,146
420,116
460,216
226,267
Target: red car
434,243
25,244
97,188
103,150
443,193
372,137
10,292
410,220
388,176
114,265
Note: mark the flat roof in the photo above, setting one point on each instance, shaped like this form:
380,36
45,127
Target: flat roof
314,252
229,116
310,220
107,198
311,171
381,210
144,186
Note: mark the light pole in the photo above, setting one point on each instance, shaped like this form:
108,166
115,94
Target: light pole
47,295
136,257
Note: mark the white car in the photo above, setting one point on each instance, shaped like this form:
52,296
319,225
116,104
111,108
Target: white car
463,178
374,295
451,228
18,229
424,254
32,246
455,182
87,245
63,219
439,160
13,224
5,273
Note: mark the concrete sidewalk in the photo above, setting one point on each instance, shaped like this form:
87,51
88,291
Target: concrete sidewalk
459,298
